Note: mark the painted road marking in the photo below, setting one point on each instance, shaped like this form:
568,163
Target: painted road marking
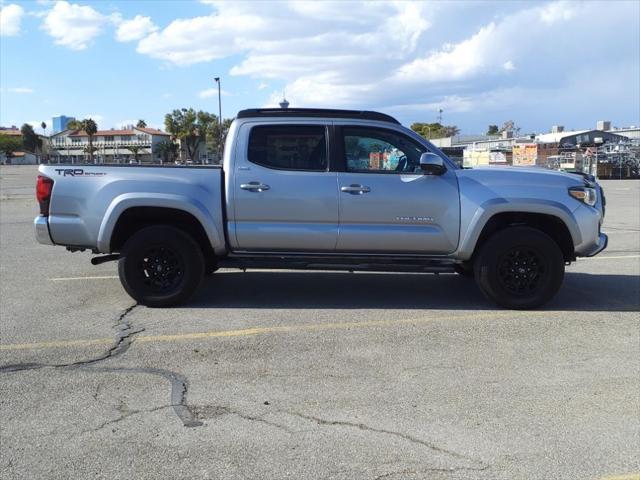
66,279
245,332
626,476
611,257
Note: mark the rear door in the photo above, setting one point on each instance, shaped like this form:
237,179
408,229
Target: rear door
387,205
285,197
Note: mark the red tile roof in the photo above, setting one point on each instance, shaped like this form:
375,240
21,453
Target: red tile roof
153,131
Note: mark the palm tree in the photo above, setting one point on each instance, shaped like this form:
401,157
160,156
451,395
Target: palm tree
141,124
135,149
167,150
90,149
44,128
91,128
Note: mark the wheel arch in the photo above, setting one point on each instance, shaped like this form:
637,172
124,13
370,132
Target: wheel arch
550,224
127,216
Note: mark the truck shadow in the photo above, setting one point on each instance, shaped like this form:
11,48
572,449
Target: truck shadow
324,290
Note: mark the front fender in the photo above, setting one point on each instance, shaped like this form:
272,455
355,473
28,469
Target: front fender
494,206
159,200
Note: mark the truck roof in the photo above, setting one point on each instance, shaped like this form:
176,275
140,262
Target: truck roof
315,112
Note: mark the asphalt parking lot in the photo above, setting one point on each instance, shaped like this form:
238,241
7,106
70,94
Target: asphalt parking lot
315,375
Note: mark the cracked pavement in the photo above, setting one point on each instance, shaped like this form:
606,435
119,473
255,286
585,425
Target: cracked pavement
314,375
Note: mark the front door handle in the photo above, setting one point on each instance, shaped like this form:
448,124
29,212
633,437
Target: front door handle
355,189
255,187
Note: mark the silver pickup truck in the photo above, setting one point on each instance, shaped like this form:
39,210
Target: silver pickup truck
324,190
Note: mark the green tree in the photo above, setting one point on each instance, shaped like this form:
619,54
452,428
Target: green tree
30,140
216,137
167,150
493,130
9,145
90,149
141,124
135,149
90,127
74,125
510,126
434,130
189,127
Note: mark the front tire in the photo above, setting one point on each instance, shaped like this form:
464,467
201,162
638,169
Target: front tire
519,268
161,266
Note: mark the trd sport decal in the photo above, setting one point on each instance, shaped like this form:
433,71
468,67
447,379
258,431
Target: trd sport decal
78,172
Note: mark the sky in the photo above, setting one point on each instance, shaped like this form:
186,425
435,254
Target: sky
481,62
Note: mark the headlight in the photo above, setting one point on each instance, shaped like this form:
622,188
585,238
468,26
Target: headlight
584,194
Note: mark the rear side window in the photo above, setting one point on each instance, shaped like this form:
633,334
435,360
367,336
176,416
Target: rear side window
289,147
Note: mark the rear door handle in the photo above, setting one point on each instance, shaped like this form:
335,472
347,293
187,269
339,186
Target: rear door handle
355,189
255,187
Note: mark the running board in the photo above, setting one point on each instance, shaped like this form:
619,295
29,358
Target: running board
360,264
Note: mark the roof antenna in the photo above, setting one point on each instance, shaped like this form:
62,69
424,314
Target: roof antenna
284,104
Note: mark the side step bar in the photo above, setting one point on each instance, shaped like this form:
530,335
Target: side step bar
349,264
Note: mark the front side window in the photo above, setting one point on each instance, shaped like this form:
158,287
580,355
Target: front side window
289,147
380,151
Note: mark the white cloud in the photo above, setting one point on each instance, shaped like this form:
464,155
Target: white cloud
557,12
75,26
294,29
213,92
96,117
399,55
20,90
10,19
135,29
122,124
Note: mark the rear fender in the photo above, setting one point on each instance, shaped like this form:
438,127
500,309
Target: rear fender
158,200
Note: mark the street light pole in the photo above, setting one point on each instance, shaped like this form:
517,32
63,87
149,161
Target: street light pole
217,79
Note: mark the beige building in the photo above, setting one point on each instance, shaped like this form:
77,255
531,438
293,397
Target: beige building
111,146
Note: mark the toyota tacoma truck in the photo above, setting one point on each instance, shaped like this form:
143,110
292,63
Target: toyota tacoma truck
317,189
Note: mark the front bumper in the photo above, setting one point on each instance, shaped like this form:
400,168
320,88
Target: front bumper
41,225
603,241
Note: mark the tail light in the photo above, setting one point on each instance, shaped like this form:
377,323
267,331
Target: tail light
43,193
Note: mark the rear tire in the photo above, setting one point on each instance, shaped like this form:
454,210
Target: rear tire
519,268
161,266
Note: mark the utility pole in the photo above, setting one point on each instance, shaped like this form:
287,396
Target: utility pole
217,79
440,116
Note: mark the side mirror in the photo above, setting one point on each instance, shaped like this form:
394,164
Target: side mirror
432,164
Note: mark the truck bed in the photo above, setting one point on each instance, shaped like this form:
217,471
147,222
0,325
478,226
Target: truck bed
87,200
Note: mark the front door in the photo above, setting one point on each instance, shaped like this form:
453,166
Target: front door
285,198
387,205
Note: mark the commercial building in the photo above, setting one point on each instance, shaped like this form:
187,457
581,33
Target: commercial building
60,123
20,157
611,151
111,146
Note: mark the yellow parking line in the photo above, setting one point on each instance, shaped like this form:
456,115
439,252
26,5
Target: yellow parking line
626,476
245,332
